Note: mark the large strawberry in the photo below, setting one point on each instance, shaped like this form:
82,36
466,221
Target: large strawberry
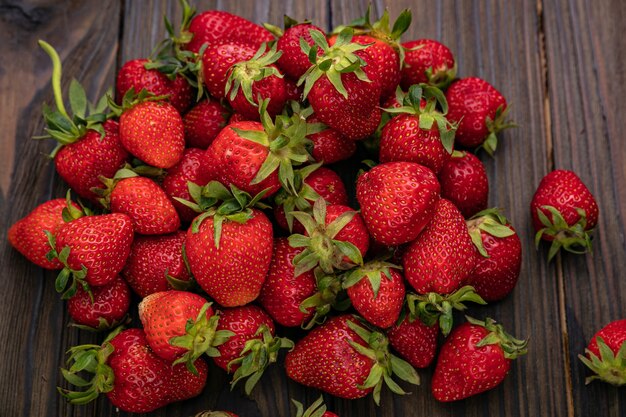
464,181
475,358
317,409
293,61
104,308
427,61
564,212
606,354
203,122
133,378
397,200
344,359
217,61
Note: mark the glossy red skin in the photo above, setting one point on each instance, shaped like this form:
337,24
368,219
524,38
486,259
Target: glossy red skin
415,341
294,62
464,182
403,140
354,232
147,205
494,277
282,292
443,255
236,117
110,303
324,359
153,132
81,163
28,237
135,367
175,181
565,191
151,257
430,54
464,370
244,322
100,243
164,315
470,102
387,60
272,88
203,122
397,201
217,60
381,310
213,26
613,334
330,146
293,92
134,74
233,274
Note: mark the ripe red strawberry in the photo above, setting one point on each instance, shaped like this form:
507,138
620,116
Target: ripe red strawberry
317,409
292,90
497,271
464,181
217,60
377,292
203,122
475,358
125,367
564,212
106,310
330,146
415,341
480,111
155,262
397,200
427,61
337,358
135,75
606,354
443,255
293,61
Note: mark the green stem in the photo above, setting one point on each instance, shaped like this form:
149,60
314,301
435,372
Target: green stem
56,76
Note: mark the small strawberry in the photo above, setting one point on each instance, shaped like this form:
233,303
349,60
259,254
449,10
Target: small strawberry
427,61
480,112
217,61
203,122
344,359
317,409
464,181
104,308
293,61
564,212
397,200
415,341
330,146
475,358
606,354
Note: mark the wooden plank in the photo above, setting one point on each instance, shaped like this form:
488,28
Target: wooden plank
586,90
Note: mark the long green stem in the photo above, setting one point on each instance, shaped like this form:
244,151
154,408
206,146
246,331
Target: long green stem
56,76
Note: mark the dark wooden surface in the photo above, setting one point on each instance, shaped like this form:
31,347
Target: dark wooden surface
561,65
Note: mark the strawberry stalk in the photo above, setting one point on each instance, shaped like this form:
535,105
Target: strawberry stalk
511,347
575,238
490,221
495,126
609,367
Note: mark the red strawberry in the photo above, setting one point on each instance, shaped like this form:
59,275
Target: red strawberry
293,61
427,61
336,358
497,271
136,74
475,358
203,122
397,200
106,310
606,354
442,256
464,181
292,90
330,146
415,341
564,212
317,409
236,117
133,378
154,261
480,111
217,60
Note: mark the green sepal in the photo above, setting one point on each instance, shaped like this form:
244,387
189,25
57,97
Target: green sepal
609,367
317,409
495,126
374,271
511,347
329,295
490,221
574,238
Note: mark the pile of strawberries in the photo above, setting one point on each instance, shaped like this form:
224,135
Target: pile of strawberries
208,188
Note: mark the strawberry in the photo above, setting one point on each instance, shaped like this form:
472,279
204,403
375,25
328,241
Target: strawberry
330,146
203,122
427,61
606,354
317,409
415,341
344,359
564,212
397,201
138,75
155,263
442,256
105,310
497,271
292,90
475,358
133,378
480,112
377,292
217,61
464,181
293,61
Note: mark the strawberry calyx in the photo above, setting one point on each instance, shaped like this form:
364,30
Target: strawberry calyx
609,367
423,100
511,347
490,221
288,22
317,409
110,183
495,126
131,99
373,271
433,307
209,413
300,200
256,356
573,238
327,297
385,363
103,324
441,77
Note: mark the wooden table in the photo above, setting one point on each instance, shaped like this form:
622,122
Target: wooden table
560,64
